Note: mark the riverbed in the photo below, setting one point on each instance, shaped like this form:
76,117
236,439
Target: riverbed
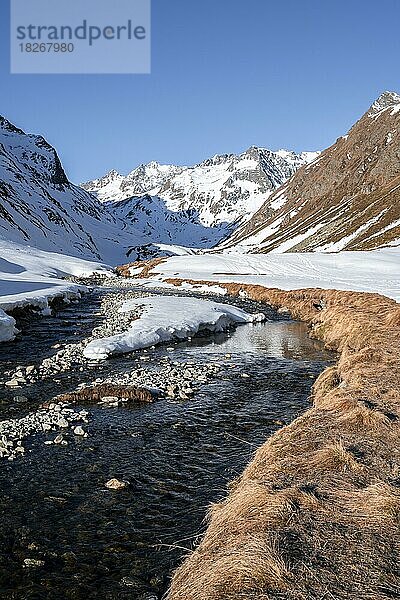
63,533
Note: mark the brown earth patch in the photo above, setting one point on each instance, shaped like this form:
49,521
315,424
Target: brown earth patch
316,513
145,265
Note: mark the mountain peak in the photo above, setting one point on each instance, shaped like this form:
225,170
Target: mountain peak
6,125
385,100
113,174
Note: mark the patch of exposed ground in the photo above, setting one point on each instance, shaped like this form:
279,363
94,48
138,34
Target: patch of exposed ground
145,265
315,515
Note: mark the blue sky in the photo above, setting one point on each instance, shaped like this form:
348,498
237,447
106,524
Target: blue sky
226,74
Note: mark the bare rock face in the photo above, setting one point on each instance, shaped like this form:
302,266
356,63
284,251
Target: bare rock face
346,199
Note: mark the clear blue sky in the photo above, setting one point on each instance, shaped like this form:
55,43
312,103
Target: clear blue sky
226,74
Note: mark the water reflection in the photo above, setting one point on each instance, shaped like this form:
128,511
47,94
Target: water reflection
281,339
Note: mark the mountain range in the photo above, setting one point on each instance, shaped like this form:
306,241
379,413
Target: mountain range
116,218
222,191
344,198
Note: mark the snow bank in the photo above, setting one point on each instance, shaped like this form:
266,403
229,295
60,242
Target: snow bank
376,271
31,277
195,287
168,318
7,327
15,259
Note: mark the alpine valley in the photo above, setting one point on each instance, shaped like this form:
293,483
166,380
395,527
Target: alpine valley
125,414
346,197
116,218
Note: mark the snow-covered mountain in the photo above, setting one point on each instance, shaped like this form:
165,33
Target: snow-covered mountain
159,225
41,208
221,191
348,198
196,207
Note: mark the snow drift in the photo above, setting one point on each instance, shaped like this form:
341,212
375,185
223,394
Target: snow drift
168,318
31,277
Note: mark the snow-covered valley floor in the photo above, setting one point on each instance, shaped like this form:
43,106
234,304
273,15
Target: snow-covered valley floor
376,271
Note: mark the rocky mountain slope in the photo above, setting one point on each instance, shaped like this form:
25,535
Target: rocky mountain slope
222,191
346,199
41,208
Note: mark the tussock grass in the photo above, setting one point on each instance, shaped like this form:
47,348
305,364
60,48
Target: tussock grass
94,393
316,514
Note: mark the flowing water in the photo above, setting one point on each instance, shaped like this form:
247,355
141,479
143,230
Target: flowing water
177,456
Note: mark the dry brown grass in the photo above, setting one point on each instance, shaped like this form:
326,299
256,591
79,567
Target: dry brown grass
145,265
316,513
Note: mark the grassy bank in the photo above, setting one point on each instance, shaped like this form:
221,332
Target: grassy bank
315,515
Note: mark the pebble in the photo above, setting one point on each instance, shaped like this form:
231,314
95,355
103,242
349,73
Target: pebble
12,383
116,484
33,562
20,399
79,431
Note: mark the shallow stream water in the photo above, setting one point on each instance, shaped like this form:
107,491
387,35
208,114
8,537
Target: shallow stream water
177,457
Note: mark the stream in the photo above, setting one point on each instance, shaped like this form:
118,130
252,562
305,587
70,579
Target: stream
178,456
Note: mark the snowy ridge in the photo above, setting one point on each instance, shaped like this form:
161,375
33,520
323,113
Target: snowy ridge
222,190
385,100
